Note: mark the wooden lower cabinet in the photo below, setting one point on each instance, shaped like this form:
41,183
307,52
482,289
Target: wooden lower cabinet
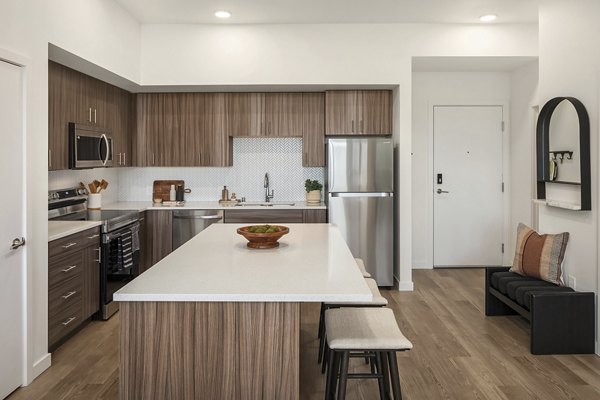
275,216
145,244
188,350
315,216
73,284
159,225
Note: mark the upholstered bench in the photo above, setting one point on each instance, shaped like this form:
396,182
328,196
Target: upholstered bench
562,321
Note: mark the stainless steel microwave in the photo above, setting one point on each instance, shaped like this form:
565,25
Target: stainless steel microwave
89,146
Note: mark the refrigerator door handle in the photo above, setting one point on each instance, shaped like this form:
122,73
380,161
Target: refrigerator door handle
365,194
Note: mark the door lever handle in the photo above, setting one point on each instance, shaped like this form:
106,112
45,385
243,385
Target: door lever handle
16,243
440,191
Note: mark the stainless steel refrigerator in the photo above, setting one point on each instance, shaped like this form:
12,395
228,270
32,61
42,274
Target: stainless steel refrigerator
360,196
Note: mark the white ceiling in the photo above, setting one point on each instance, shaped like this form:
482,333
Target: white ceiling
331,11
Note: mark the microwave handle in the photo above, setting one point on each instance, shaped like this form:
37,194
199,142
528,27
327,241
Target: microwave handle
107,149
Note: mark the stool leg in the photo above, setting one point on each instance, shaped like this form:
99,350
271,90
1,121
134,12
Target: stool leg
331,372
395,375
325,354
386,373
321,348
382,392
321,318
343,376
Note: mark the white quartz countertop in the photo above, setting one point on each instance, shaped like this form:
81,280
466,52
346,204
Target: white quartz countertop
210,205
60,229
312,264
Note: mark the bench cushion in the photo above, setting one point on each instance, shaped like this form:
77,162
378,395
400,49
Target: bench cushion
511,287
529,293
505,280
495,278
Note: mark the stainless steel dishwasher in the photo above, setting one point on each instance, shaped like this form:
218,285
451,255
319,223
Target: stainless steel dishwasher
189,223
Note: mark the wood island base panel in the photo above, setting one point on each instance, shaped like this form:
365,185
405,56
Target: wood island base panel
209,350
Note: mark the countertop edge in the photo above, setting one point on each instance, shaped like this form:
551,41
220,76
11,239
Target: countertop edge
242,298
73,228
149,206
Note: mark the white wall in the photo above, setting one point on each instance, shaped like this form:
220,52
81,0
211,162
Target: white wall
441,88
104,34
570,66
325,54
523,117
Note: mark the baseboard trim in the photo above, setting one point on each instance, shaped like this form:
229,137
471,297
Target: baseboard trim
38,367
406,286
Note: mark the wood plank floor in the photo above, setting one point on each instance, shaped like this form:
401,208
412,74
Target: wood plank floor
458,353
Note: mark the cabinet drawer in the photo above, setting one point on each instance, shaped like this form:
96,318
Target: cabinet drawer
62,297
63,269
73,243
64,322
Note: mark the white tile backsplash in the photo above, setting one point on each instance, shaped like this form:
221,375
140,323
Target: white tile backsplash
252,158
281,158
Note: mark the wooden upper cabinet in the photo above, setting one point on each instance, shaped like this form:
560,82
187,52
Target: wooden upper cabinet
263,114
79,98
181,129
283,114
358,112
313,131
245,114
119,113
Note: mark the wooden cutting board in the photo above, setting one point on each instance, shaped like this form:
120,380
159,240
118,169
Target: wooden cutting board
162,189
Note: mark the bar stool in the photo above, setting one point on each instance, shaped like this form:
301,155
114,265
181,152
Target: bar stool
361,267
378,301
353,331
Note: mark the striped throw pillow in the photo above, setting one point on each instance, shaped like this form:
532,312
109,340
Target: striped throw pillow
540,256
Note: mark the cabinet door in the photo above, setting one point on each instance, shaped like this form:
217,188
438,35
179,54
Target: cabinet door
96,95
61,111
315,216
245,114
148,128
283,114
375,112
217,146
118,116
91,281
313,130
341,112
160,227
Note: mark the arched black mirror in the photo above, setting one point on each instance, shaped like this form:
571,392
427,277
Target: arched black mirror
563,147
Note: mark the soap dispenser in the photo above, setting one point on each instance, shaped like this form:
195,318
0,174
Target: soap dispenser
172,194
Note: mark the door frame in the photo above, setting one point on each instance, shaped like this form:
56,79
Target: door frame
506,258
27,372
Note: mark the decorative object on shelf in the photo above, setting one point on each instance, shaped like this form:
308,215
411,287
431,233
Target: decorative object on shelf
263,236
313,191
544,173
162,189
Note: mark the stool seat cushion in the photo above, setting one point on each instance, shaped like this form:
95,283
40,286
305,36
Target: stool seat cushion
364,328
361,266
378,299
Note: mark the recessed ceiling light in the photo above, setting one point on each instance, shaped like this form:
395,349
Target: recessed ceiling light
488,18
222,14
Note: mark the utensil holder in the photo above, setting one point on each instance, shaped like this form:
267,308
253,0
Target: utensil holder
94,201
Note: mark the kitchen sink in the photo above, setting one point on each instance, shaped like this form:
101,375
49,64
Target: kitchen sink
264,204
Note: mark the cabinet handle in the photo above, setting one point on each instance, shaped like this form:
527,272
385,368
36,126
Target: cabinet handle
94,115
119,158
90,116
362,126
352,126
152,158
69,268
66,296
50,158
67,322
94,236
69,245
124,162
99,250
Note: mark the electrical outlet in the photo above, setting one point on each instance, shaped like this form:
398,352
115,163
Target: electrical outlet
572,282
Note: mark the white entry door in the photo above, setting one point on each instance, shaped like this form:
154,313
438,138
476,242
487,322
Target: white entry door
467,188
12,261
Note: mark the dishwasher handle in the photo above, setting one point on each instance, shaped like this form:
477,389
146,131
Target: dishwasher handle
205,217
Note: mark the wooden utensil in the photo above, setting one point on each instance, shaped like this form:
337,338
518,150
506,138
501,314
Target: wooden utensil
92,187
103,185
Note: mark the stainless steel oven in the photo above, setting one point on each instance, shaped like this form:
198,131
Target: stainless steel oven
89,146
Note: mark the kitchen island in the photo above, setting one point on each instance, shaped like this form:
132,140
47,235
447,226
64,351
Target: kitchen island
218,320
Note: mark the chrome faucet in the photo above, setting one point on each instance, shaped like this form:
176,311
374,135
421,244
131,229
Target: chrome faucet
268,196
